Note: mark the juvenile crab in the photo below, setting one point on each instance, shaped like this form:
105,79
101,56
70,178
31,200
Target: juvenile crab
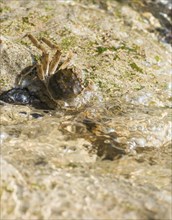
61,80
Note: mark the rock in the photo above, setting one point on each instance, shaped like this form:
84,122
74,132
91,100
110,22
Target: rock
110,158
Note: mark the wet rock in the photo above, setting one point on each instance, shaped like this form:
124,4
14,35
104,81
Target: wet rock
16,96
111,156
14,58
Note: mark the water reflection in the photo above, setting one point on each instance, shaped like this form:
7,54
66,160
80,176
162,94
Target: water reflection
111,130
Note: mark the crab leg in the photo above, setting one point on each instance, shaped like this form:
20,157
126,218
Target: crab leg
67,61
45,60
36,43
55,62
56,59
19,80
50,44
40,71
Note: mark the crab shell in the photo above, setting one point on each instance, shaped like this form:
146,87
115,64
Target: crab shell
65,84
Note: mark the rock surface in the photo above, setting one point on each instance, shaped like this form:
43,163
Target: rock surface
110,159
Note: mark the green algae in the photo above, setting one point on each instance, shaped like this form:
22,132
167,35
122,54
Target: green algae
100,50
2,82
5,9
157,58
68,42
135,67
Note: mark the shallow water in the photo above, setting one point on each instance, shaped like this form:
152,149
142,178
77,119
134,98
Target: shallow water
64,159
107,129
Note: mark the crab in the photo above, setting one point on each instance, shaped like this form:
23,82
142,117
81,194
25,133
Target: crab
61,80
